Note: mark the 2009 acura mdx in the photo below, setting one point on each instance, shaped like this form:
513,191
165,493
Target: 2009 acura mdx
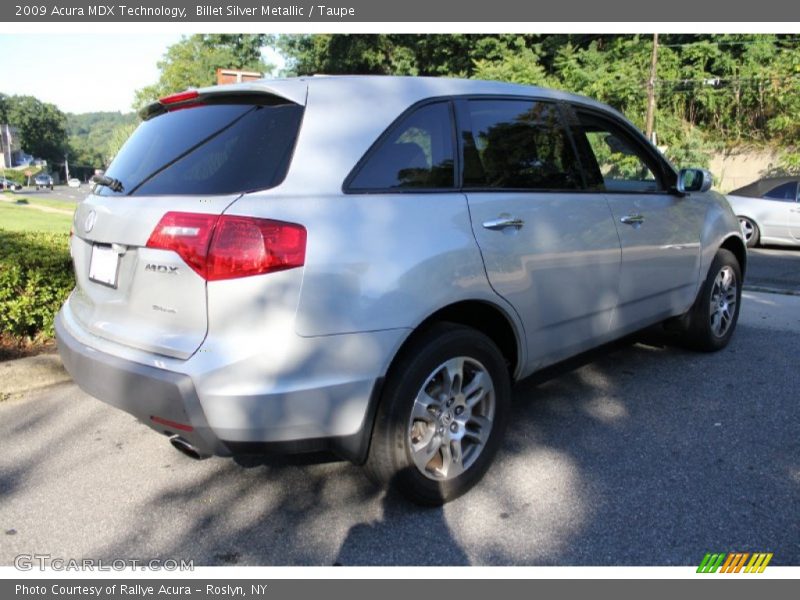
365,264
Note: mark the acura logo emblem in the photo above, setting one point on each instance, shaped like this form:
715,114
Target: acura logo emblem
89,222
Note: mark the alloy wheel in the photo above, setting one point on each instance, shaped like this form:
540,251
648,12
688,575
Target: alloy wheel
452,418
724,295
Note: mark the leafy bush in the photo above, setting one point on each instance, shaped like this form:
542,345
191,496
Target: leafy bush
15,176
35,279
686,145
789,161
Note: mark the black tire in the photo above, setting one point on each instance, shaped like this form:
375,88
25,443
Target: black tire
390,460
750,231
701,333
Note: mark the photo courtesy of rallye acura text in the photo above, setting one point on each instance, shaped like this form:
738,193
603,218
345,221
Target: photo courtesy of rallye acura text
365,264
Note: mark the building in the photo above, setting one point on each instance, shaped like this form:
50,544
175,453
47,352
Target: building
236,76
10,150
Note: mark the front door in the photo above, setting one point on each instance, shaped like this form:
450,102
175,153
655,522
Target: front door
549,248
659,231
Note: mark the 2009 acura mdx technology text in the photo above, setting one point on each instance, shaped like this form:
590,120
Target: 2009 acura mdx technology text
365,264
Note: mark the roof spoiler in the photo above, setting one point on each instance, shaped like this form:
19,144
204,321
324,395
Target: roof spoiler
293,91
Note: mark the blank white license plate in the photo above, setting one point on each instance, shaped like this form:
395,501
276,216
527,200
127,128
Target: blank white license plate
104,265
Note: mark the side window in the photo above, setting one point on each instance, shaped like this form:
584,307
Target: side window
518,144
786,192
417,153
614,162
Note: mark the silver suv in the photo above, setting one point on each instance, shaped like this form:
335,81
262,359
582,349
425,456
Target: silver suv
365,265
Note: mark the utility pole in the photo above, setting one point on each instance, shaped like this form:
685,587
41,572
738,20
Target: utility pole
66,166
651,91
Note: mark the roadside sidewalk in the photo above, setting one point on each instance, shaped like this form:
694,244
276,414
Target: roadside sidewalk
23,375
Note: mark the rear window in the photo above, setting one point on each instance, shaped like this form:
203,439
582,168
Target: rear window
208,149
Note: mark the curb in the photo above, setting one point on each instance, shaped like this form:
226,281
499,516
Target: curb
23,375
770,290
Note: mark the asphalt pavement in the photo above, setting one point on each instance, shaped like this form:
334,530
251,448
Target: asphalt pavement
774,268
637,454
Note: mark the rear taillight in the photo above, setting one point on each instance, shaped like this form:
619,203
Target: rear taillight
243,246
188,234
227,246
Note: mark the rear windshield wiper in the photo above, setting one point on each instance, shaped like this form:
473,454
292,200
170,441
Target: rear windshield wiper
115,185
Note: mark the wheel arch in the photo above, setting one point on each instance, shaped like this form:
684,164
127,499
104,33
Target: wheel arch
736,246
484,316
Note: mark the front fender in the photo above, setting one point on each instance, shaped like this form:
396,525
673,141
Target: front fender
720,228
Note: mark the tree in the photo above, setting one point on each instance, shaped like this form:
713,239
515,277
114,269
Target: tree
193,62
711,89
41,126
117,139
399,54
93,137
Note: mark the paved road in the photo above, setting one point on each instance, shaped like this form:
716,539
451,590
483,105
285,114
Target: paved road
646,455
775,268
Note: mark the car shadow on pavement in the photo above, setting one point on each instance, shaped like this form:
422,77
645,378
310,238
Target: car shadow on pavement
633,454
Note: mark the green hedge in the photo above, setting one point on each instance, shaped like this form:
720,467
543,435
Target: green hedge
35,279
19,176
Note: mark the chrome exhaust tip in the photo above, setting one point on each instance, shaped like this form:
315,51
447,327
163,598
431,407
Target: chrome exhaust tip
184,447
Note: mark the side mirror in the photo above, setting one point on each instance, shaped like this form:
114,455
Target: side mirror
694,180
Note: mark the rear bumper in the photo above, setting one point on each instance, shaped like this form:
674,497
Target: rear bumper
141,390
313,394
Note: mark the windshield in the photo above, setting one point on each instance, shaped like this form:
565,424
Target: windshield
207,149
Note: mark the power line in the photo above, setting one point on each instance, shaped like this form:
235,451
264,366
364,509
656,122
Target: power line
716,82
734,42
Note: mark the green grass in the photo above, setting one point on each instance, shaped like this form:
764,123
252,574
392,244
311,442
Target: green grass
24,218
60,205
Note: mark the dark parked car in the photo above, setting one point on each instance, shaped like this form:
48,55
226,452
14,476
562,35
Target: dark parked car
7,184
43,180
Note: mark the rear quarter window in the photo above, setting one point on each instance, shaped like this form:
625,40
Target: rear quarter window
416,153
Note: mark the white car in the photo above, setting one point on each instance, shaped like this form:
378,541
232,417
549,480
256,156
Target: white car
74,182
769,211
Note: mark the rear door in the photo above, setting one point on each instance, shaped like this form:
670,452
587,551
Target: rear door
194,157
549,248
659,231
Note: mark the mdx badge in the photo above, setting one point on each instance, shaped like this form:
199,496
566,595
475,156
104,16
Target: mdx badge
154,268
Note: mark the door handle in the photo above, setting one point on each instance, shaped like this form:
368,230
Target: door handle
502,222
632,219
